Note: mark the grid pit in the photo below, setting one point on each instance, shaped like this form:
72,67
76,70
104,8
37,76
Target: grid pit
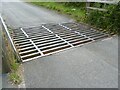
85,30
47,39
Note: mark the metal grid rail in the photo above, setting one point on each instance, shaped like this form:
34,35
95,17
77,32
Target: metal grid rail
69,35
87,31
47,39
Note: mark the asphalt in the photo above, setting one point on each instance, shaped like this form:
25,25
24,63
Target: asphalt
93,65
90,66
19,14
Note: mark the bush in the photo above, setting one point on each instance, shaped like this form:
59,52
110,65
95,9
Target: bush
109,20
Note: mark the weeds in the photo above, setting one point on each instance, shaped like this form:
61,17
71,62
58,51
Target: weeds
14,66
14,78
11,60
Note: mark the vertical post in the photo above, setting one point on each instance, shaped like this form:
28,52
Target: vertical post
87,5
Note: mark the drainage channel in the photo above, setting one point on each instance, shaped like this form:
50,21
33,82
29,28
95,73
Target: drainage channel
47,39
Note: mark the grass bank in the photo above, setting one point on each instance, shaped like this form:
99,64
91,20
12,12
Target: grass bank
11,61
77,13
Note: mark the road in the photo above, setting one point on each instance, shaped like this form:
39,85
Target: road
90,66
19,14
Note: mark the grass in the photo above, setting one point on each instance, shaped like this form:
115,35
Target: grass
77,13
14,78
14,66
11,60
14,75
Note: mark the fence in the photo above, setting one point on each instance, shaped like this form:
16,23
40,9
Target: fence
89,7
9,52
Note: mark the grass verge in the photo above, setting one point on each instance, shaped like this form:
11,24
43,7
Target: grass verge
14,75
14,78
77,13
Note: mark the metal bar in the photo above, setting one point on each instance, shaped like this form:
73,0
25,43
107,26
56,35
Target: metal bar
33,58
24,32
53,45
37,43
47,29
55,48
42,39
30,55
32,42
68,35
58,36
18,39
41,35
26,48
73,36
76,32
48,43
27,45
28,51
77,40
69,39
59,33
44,32
23,43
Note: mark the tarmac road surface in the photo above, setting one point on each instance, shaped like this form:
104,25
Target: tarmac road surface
90,66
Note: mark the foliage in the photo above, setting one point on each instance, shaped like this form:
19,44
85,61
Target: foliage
75,4
11,61
14,66
69,8
9,54
15,78
109,20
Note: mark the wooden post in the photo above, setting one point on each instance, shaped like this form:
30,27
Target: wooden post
87,5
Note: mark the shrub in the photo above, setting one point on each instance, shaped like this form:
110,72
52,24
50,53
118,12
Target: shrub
109,20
